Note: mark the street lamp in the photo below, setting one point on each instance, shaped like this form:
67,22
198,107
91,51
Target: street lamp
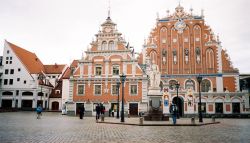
199,79
41,93
118,91
123,78
177,85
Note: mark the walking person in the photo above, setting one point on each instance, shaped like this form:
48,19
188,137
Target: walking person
102,109
82,110
39,110
98,111
173,110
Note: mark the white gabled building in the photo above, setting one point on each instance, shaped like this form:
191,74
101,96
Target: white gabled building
24,83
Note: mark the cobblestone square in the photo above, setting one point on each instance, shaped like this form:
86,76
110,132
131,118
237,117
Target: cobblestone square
53,127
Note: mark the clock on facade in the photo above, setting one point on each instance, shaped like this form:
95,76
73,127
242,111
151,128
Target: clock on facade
107,29
180,25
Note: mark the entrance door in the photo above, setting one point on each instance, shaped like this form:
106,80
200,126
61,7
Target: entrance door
6,104
218,107
236,107
55,105
133,109
26,104
179,105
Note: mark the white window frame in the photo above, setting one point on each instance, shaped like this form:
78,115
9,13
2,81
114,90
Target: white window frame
78,89
113,70
112,86
98,66
136,89
95,89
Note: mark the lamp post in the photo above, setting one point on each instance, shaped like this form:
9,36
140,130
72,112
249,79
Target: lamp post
199,79
123,78
41,79
118,91
177,85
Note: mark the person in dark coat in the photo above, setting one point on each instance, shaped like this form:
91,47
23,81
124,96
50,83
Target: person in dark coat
98,111
102,109
173,110
82,110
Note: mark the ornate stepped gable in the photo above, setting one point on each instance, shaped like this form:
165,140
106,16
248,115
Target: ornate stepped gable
108,57
181,43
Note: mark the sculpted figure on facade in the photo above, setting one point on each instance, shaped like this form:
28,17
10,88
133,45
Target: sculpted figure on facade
198,54
186,55
174,55
155,75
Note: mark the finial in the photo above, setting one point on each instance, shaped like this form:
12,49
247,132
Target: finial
109,11
191,10
157,16
202,12
168,13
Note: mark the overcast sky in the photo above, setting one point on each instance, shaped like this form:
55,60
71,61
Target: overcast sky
58,31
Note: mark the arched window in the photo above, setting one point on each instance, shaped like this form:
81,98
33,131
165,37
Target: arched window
153,56
172,84
210,58
104,45
205,85
111,45
7,93
190,84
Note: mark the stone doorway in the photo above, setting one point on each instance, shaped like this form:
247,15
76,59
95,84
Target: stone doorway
133,109
180,105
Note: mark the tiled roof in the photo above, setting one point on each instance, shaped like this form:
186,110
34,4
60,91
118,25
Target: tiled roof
66,74
54,69
30,60
54,93
74,63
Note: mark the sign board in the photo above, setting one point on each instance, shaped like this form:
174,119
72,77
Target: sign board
165,102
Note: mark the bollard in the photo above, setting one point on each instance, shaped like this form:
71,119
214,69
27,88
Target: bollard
192,120
141,120
213,119
102,117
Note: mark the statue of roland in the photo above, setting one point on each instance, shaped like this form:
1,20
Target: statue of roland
155,75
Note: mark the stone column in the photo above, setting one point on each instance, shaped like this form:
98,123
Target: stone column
1,98
34,102
19,104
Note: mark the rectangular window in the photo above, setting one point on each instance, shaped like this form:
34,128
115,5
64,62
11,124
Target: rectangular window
11,81
98,89
203,107
114,90
53,76
133,89
10,58
5,82
7,62
80,89
115,70
19,69
10,62
18,79
11,71
98,71
7,58
24,81
6,71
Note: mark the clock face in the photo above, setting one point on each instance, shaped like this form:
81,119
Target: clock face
107,29
180,25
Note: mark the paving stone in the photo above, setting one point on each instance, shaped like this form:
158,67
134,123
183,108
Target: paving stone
22,127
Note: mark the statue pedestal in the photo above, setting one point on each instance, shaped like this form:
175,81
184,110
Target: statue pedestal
155,112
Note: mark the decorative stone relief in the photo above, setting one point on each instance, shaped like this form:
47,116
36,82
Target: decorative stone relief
175,56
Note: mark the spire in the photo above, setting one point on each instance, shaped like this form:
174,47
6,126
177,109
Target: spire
109,11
